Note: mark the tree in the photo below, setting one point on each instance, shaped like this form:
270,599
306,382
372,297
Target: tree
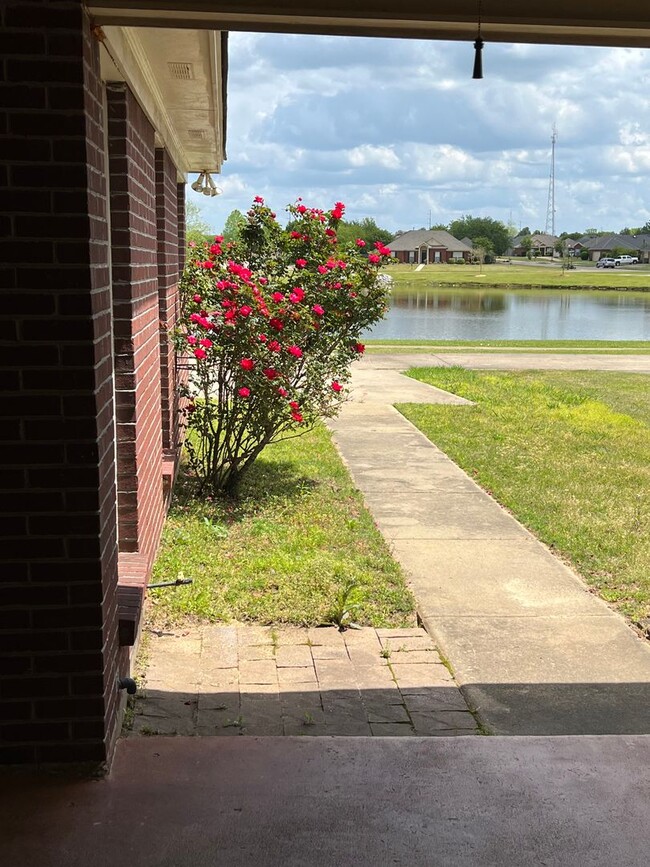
272,323
524,231
526,243
197,231
367,230
483,251
482,227
235,222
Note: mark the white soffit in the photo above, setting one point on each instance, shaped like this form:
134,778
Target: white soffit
176,75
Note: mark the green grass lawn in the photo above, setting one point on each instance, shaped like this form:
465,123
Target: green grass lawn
284,550
569,454
518,276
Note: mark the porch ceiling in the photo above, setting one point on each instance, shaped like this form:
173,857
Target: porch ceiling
178,76
581,22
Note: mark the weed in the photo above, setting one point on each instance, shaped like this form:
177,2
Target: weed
308,719
347,601
385,653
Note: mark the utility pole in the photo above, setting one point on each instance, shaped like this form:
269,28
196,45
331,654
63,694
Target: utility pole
550,207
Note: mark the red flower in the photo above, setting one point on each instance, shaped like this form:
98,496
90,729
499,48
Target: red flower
244,392
200,353
262,338
360,242
301,209
270,373
245,310
218,238
318,310
208,264
300,263
205,342
274,346
278,324
277,297
322,269
359,347
330,233
336,386
197,299
215,249
295,350
247,363
374,258
294,404
296,417
282,392
259,199
339,206
296,295
296,235
191,340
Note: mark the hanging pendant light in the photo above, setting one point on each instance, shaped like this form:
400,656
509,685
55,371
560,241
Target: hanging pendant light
204,184
478,49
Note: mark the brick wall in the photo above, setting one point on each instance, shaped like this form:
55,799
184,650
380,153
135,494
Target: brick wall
168,301
58,552
136,323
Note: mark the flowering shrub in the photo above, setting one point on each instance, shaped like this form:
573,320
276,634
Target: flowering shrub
272,322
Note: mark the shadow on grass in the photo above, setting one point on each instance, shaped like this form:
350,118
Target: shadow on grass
265,482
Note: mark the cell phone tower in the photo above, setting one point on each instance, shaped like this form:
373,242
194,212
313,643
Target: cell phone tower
550,207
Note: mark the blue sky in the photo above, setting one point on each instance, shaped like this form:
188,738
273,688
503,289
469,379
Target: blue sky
398,130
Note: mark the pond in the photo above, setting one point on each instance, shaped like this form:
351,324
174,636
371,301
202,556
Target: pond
493,314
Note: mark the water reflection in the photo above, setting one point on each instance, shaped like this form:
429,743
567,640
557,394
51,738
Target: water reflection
444,314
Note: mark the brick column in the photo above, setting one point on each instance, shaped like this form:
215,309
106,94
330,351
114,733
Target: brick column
136,325
58,554
182,238
168,249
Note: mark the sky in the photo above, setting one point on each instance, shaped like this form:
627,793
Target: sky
400,132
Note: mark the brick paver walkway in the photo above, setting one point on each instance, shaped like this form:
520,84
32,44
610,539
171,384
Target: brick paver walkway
251,680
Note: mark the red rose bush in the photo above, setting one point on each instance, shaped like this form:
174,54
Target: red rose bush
271,324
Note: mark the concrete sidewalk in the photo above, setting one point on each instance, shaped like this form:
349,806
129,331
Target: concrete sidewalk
495,360
535,652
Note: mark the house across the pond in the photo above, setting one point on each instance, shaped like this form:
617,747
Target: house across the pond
428,246
540,245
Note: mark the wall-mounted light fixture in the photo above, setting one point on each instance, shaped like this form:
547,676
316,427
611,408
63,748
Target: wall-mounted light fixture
204,184
478,49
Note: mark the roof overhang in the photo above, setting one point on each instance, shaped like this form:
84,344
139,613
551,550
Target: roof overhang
179,77
582,22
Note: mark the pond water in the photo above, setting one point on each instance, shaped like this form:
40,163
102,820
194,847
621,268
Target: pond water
486,314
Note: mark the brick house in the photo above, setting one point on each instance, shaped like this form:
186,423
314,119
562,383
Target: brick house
540,245
98,130
426,247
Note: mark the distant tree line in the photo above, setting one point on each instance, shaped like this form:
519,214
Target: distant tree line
489,237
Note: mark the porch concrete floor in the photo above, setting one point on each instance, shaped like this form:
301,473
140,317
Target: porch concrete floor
334,802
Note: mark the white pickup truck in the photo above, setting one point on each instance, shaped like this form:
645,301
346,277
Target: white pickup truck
626,260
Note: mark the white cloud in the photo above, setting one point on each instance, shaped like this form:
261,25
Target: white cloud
398,128
371,155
